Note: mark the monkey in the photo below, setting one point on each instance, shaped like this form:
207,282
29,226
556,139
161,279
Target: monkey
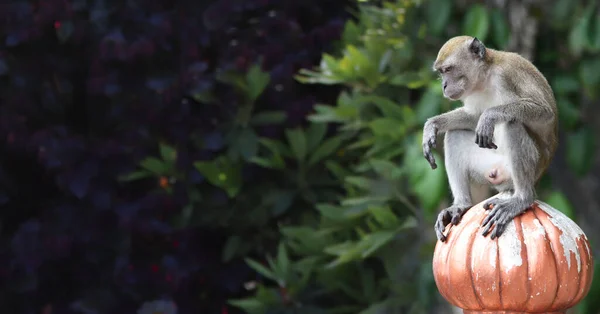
497,175
503,136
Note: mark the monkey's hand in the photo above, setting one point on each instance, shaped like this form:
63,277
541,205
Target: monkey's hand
503,212
484,132
429,142
452,214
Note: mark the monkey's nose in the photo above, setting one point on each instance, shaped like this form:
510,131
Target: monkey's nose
445,84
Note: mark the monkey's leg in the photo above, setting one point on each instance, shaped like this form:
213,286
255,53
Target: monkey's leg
523,157
465,164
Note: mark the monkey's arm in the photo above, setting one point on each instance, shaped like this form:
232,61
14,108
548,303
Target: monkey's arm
523,111
452,120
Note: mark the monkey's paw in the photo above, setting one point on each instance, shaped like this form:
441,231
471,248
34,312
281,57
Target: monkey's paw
452,214
501,214
429,142
484,134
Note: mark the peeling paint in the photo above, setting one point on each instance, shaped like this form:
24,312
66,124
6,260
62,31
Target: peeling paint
511,247
570,233
536,231
539,229
493,256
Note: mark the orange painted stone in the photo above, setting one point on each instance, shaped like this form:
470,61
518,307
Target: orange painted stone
542,263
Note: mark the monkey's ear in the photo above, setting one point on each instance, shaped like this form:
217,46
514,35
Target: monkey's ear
477,48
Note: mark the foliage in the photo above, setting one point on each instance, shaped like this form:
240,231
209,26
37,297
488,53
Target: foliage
127,128
361,252
370,229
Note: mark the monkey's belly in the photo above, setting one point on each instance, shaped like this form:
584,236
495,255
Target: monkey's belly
491,168
482,165
498,175
495,169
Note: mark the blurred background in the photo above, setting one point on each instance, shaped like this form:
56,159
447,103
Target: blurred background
254,156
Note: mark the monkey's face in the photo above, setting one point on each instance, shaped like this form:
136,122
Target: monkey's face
455,82
460,63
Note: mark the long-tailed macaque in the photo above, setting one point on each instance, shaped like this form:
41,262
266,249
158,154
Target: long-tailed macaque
504,135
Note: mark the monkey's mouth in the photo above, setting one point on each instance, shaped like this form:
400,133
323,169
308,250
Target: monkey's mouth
453,96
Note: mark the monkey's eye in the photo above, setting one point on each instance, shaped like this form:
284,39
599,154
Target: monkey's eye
447,69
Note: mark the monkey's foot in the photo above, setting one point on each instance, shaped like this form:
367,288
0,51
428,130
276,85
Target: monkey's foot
452,214
502,213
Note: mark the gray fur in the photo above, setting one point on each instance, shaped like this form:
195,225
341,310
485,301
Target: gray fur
508,120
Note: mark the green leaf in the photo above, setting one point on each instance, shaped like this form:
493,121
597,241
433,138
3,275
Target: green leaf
559,201
589,71
315,134
310,77
360,182
568,113
387,127
305,239
183,219
271,163
247,143
351,34
430,103
386,169
268,118
388,108
331,211
297,141
257,81
249,305
341,248
429,185
336,169
275,147
168,153
372,242
283,261
232,78
500,28
562,11
578,37
325,114
564,83
477,22
594,36
231,247
259,268
384,216
580,150
222,173
137,175
389,305
329,64
412,80
155,165
203,97
328,147
438,15
366,200
279,201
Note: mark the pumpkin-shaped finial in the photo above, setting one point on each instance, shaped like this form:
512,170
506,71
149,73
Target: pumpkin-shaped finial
542,263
